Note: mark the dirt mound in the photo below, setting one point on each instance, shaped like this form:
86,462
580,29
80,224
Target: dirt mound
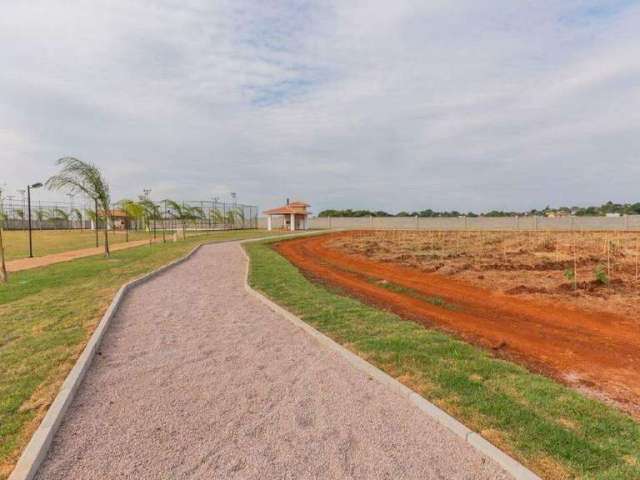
523,289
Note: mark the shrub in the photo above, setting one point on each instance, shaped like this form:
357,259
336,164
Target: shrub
601,275
569,274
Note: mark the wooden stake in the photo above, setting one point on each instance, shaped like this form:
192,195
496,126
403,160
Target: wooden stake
637,251
608,258
504,247
575,263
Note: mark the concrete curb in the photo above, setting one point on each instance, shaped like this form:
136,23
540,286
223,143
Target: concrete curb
510,465
38,447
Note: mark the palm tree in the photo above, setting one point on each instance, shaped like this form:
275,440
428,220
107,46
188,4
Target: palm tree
240,215
79,176
231,218
41,214
180,212
217,216
59,214
197,213
20,214
92,216
133,210
77,214
153,213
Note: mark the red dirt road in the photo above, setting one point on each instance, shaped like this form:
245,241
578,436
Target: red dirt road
596,353
46,260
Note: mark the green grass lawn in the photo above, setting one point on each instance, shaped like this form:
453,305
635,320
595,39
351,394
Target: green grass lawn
46,317
45,242
552,429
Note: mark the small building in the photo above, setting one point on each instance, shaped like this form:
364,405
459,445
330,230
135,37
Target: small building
295,215
118,220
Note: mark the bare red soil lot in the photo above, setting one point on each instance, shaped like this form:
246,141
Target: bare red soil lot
595,352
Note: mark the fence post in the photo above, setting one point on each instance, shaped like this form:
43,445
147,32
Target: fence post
417,222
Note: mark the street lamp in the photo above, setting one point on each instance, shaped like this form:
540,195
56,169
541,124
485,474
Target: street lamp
29,187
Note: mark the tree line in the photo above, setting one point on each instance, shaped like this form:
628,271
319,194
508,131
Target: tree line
604,209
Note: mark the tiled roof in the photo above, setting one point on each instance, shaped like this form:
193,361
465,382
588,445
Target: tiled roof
299,208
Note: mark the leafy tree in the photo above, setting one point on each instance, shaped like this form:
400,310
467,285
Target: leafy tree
84,177
609,207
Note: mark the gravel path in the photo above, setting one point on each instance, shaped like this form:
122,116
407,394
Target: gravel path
196,379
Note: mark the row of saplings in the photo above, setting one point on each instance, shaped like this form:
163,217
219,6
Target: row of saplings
77,176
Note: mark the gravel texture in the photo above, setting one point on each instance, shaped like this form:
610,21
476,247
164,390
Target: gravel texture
197,379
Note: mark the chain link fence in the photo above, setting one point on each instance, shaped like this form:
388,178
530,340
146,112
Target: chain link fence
189,215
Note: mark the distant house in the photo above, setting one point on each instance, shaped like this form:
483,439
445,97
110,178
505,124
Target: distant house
295,215
612,215
557,213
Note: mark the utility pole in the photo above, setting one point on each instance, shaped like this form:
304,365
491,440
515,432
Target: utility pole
29,187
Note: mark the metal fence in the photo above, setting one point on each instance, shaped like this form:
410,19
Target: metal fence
210,215
191,215
526,223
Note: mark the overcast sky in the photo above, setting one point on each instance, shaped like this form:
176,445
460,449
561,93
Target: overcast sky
395,105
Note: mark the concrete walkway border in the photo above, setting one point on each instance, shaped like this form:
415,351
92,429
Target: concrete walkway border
509,464
38,447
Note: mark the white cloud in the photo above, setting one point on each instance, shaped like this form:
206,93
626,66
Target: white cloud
390,105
